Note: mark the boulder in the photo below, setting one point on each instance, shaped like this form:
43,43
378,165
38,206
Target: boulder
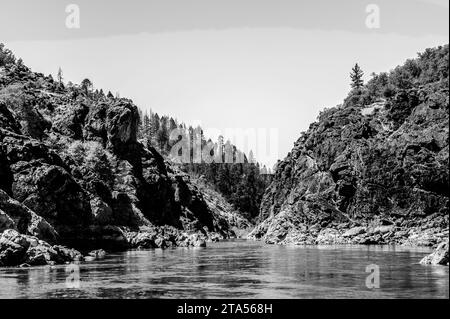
103,214
25,220
328,236
97,254
66,254
56,196
17,249
161,242
200,243
7,120
142,240
69,120
13,248
384,229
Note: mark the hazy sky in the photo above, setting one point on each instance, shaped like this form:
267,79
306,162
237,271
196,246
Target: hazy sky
228,63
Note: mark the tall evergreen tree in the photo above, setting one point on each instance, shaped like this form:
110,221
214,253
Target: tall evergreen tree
251,158
172,124
60,76
146,125
357,77
154,128
163,134
86,85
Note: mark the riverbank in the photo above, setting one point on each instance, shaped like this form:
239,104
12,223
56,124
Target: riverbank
286,229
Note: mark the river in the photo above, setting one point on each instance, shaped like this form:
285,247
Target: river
239,269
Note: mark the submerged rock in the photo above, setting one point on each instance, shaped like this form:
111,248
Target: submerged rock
17,249
200,243
438,257
97,254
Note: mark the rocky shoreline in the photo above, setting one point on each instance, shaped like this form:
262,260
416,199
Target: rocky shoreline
27,240
25,251
285,230
435,238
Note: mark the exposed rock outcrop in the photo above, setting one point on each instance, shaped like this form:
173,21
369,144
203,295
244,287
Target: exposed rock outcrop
373,170
17,249
227,221
23,219
73,172
438,257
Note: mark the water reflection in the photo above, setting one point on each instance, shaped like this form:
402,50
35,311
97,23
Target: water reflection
239,269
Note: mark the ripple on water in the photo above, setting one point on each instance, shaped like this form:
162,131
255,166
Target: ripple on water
239,269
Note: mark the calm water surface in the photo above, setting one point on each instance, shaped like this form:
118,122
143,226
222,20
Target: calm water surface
238,269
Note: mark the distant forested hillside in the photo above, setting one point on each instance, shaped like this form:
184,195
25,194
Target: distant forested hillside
241,180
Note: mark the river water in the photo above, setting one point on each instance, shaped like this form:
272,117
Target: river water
239,269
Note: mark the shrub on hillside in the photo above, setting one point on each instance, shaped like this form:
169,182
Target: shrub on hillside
92,159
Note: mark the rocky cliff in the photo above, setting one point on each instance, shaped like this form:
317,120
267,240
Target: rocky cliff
370,171
73,173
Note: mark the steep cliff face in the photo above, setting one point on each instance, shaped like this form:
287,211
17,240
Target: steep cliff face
373,170
73,172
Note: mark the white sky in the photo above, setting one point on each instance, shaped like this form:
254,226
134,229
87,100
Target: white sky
275,76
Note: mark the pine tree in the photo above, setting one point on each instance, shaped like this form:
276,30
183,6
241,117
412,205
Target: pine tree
60,76
356,77
154,128
146,125
251,158
86,85
163,134
220,156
